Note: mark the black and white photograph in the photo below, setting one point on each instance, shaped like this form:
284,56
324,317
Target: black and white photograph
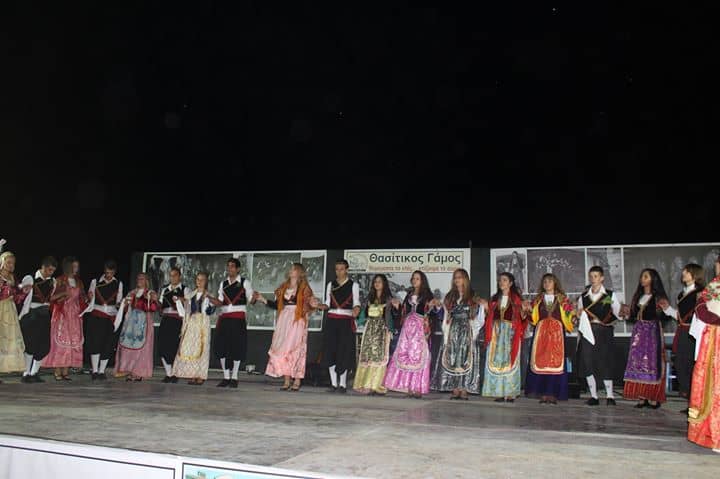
568,264
513,261
270,269
214,264
314,262
610,259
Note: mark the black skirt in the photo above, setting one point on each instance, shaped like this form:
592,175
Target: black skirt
169,337
99,336
339,344
597,360
230,340
35,327
684,360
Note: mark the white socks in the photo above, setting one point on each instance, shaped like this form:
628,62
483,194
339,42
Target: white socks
333,376
103,365
236,368
592,385
94,361
609,389
226,372
28,363
343,380
168,367
35,367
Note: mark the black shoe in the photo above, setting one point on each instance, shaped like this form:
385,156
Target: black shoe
610,402
166,379
510,400
685,411
642,405
224,383
543,401
27,379
499,399
654,406
102,377
593,402
552,401
233,383
332,389
173,379
93,376
342,390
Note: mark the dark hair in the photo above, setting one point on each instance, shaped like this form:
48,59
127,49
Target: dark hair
698,274
48,261
67,264
343,261
656,288
454,294
514,290
111,265
556,284
175,268
234,261
386,293
425,292
597,269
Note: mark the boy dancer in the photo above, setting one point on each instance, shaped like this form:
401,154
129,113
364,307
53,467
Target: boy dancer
170,322
105,295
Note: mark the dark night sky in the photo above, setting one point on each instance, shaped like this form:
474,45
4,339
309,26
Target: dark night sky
163,127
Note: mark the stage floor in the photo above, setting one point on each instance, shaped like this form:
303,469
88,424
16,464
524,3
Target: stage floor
357,435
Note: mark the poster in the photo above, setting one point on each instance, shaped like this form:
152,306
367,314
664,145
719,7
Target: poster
265,270
399,264
622,264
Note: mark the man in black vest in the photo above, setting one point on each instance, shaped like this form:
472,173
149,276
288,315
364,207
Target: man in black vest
35,320
231,329
342,302
170,322
105,295
598,309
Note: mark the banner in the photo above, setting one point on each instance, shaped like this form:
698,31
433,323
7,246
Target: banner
399,264
265,270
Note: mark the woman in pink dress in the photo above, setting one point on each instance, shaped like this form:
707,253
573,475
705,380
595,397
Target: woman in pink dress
66,328
409,368
294,301
135,347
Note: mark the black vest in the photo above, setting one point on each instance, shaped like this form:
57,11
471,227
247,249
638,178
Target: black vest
106,293
169,293
341,297
686,306
234,294
42,289
602,308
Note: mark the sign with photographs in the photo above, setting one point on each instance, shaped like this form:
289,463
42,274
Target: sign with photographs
622,264
265,270
399,264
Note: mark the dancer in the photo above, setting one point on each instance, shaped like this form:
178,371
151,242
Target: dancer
12,345
645,370
409,367
294,301
552,315
342,302
231,329
693,281
704,411
597,310
171,322
106,294
381,310
66,329
35,320
193,352
457,367
507,318
135,348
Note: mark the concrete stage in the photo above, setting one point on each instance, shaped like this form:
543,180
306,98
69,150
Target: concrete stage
357,435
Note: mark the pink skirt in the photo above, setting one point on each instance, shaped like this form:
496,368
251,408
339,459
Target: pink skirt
66,336
288,351
409,368
137,361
